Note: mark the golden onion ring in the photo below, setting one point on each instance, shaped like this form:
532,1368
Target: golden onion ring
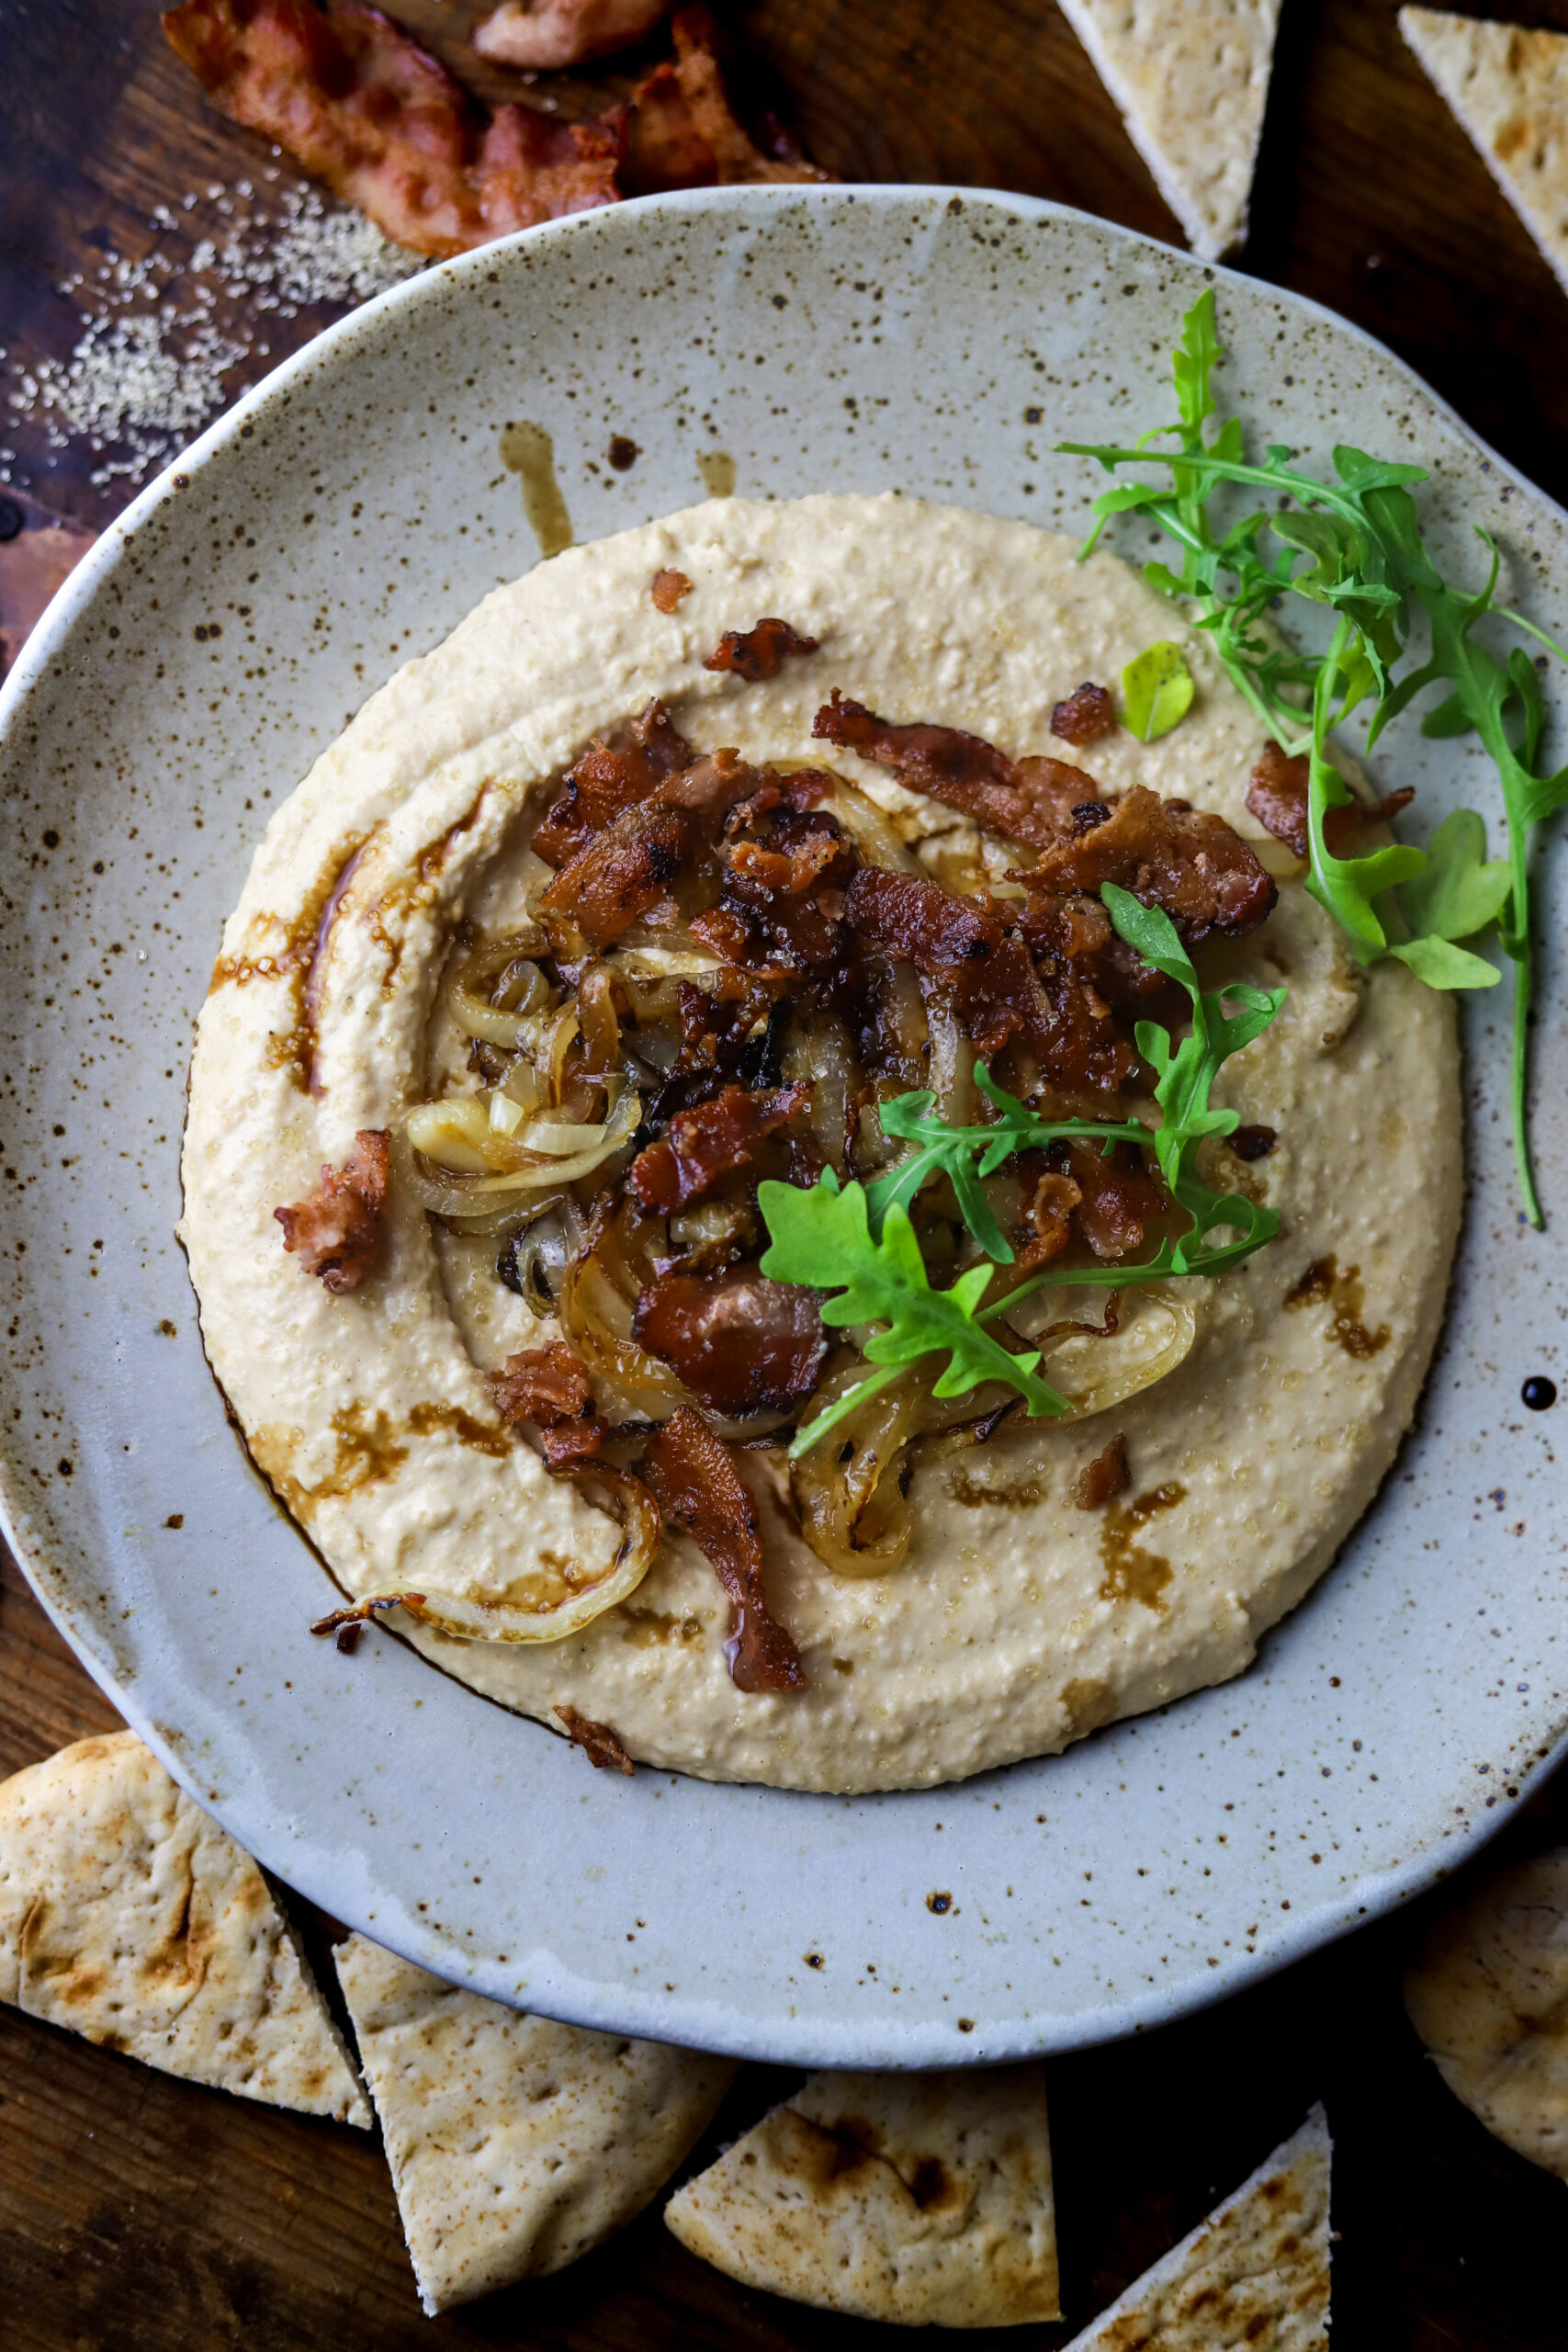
553,1619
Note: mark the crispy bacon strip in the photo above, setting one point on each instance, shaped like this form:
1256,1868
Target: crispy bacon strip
365,109
1277,795
608,777
546,35
668,589
1086,715
680,130
759,652
598,1742
1193,864
337,1231
999,991
697,1487
549,1386
712,1140
1027,800
742,1344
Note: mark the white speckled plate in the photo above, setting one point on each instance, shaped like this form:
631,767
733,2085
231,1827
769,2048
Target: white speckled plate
343,518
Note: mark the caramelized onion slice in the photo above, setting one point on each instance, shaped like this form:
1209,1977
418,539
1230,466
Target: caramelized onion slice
852,1511
562,1606
1095,1371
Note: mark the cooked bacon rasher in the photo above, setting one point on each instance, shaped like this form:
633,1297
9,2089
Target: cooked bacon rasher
1277,794
382,123
1027,800
697,1487
712,1140
337,1232
546,35
551,1387
741,1343
608,777
758,652
1192,863
348,94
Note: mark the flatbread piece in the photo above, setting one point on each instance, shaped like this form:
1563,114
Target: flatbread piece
1192,80
516,2145
920,2199
1253,2277
130,1917
1488,1994
1509,89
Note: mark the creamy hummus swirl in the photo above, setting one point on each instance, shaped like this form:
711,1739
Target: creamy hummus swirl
1020,1621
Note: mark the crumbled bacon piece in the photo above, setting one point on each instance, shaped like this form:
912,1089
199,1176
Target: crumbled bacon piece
608,777
1277,795
712,1140
337,1231
1120,1200
668,589
783,902
759,653
546,35
598,1742
796,791
549,1386
1000,991
698,1489
1086,715
1027,800
741,1343
1253,1143
1192,863
1048,1212
1102,1480
623,872
680,130
365,109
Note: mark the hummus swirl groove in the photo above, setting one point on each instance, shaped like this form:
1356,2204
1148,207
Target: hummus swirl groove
1019,1619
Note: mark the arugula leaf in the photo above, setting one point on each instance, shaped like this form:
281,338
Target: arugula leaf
1156,688
1185,1074
1461,892
821,1235
1354,545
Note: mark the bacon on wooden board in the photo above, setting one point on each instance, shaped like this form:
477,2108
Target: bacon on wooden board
549,1386
364,109
697,1487
681,130
546,36
337,1232
741,1343
709,1141
1277,795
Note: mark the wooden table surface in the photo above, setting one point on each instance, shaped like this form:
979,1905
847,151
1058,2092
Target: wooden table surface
138,2214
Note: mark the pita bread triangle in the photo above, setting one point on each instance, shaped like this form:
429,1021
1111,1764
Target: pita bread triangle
516,2145
1253,2277
908,2198
1192,80
1509,89
1488,1994
130,1917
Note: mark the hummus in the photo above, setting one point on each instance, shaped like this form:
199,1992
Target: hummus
1019,1620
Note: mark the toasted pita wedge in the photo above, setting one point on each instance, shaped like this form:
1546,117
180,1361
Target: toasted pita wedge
1509,89
1488,1994
1253,2277
515,2144
924,2199
130,1916
1192,80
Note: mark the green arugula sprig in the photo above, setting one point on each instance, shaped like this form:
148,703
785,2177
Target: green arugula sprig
1355,547
857,1240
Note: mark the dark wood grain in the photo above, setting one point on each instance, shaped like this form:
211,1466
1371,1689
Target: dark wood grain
146,2215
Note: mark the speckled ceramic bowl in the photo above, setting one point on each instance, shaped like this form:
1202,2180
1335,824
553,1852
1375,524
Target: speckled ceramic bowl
343,518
